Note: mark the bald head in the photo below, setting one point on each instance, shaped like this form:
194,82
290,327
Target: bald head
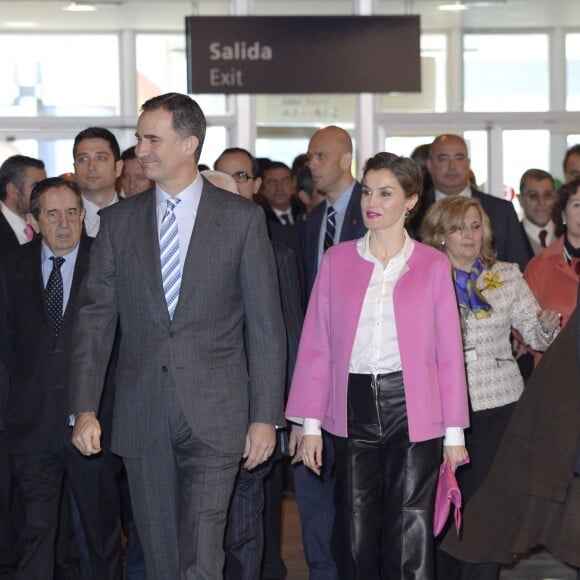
330,160
448,164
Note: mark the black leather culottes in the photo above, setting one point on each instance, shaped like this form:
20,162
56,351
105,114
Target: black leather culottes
385,487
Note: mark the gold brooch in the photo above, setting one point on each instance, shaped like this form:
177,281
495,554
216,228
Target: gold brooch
491,281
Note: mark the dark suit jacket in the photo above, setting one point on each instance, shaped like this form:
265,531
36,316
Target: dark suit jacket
5,350
8,239
291,299
352,228
509,239
296,207
224,351
37,405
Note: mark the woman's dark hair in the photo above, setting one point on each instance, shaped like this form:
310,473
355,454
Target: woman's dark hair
407,172
562,197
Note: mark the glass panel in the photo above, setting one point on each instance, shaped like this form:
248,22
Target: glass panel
309,109
216,139
56,153
523,150
572,140
162,67
48,75
477,148
405,145
506,72
573,72
433,95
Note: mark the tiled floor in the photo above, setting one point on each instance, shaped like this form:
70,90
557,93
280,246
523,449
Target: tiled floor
539,566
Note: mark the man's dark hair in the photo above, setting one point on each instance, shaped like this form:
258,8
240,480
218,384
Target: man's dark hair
13,170
187,117
275,165
231,150
128,154
98,133
304,181
406,171
50,183
574,150
535,175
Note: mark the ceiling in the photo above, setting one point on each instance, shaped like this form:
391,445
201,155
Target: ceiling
155,15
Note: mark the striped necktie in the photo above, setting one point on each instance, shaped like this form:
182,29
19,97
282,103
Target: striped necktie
169,253
330,227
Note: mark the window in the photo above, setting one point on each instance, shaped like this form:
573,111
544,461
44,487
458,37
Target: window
573,72
433,95
506,72
48,75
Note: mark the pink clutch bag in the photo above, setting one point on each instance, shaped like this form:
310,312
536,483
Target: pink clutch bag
448,495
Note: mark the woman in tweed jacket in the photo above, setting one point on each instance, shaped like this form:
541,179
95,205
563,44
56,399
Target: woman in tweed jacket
493,298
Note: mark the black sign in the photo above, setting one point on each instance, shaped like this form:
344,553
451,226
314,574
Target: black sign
303,54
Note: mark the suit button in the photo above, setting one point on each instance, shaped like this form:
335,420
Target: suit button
171,334
164,368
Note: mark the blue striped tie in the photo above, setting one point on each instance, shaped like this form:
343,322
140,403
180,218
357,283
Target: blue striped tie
169,251
330,227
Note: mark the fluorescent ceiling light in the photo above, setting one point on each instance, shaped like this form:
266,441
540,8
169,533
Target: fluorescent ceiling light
22,24
456,6
79,7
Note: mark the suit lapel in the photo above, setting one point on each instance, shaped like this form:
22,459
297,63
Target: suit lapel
143,231
206,229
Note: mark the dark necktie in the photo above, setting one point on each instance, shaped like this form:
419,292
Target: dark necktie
54,294
285,219
330,227
543,234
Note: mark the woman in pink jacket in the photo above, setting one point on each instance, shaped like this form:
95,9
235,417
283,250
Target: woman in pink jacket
380,367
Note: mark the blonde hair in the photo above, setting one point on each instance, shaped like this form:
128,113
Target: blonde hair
447,216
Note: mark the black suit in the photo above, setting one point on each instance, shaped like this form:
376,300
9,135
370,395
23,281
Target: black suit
315,495
296,209
508,237
37,420
250,546
352,228
8,239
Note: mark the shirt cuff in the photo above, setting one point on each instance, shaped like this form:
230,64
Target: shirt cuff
454,436
311,427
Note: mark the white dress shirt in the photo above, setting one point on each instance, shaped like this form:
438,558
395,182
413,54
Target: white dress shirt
92,218
185,212
67,270
288,213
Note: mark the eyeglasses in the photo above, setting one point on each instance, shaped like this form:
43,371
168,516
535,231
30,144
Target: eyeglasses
241,176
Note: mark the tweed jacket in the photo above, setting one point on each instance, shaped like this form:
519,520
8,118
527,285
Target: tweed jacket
493,378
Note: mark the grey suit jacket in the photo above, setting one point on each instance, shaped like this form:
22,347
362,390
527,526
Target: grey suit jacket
224,350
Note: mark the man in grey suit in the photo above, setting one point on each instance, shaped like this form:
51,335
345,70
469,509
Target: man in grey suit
198,383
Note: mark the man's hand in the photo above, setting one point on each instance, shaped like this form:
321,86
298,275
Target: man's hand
294,444
86,435
260,443
311,451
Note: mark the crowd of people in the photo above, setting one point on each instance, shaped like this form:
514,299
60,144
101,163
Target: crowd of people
177,342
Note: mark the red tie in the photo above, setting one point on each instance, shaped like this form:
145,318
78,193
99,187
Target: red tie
543,234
